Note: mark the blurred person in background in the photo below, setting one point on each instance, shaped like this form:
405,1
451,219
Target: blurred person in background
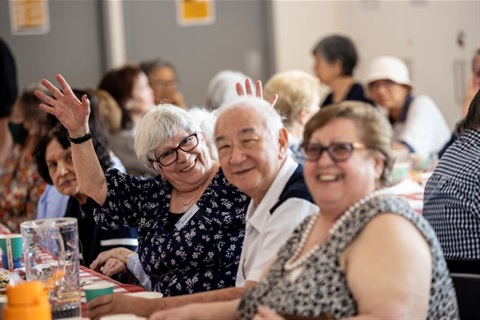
8,94
128,85
163,79
335,59
473,83
222,88
418,124
20,183
298,100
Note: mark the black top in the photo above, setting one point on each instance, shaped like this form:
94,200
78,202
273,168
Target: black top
8,80
91,235
356,93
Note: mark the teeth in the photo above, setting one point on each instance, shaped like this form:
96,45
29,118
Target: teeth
328,177
186,169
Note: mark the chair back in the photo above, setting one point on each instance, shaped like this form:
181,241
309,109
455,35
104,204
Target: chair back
467,288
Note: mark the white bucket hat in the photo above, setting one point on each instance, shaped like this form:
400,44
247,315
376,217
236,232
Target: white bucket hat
388,68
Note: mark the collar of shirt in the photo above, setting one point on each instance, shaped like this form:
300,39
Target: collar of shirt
257,216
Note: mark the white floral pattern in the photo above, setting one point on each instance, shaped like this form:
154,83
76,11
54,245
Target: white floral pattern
201,256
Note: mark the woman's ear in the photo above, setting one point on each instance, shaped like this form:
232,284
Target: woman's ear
379,165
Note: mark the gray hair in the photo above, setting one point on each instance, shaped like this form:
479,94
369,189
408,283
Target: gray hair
222,88
158,125
206,121
271,118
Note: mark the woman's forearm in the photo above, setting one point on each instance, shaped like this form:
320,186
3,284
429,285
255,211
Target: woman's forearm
90,175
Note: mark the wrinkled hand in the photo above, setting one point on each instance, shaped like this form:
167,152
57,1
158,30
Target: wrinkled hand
258,90
112,267
186,312
264,313
111,262
116,303
65,106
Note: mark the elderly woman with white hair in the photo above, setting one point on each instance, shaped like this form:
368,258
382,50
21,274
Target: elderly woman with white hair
190,220
418,124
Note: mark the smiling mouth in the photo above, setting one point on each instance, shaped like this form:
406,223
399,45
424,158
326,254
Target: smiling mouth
328,177
190,167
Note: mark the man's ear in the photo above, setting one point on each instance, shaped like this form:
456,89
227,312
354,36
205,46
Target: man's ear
283,141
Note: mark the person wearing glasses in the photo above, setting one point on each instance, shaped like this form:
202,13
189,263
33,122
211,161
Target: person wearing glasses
162,77
418,125
364,254
190,220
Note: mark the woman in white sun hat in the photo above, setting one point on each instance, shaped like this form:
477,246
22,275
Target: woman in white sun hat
418,124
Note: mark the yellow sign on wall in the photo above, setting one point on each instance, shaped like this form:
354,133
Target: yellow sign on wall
192,12
29,16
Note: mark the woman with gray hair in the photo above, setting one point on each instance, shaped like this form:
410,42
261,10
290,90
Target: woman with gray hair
190,220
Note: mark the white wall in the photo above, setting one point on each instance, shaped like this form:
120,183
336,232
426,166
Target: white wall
421,32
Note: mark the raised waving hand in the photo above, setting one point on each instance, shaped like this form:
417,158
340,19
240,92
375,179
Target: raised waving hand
65,106
258,90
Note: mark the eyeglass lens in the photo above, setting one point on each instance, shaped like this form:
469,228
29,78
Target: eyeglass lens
337,151
171,155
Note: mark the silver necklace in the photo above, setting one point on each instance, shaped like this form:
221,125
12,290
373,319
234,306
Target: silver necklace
295,268
187,204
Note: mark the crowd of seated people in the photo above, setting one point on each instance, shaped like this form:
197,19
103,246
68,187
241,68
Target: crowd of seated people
226,223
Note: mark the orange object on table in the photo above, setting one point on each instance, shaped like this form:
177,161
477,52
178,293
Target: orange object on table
27,300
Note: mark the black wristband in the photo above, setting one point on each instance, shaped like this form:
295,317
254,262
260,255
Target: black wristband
81,139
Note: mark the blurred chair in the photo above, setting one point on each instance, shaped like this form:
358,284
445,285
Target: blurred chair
467,288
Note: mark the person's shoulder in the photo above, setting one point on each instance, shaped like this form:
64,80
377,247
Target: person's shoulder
424,101
221,184
295,187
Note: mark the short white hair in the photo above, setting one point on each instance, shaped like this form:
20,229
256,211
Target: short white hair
270,117
158,125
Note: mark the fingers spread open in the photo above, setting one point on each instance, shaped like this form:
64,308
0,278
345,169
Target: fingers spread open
64,84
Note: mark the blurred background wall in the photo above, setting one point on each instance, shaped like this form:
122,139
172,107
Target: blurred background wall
258,37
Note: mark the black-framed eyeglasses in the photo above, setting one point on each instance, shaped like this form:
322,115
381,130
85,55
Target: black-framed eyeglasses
171,155
338,151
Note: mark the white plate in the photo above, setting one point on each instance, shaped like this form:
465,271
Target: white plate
146,294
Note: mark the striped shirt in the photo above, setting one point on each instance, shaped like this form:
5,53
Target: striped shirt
452,199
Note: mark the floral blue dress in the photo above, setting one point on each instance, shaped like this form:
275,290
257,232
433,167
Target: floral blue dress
203,255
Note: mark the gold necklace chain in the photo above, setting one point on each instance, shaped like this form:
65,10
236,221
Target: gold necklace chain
187,204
